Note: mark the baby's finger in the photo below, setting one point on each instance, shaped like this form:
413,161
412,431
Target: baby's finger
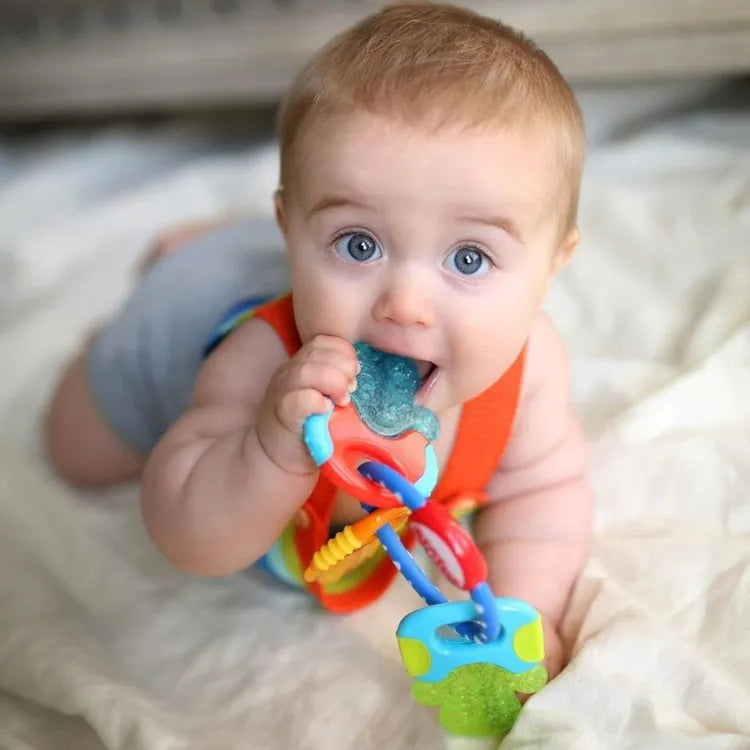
328,380
295,407
334,357
332,342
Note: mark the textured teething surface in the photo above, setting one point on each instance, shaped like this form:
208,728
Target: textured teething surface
384,398
479,699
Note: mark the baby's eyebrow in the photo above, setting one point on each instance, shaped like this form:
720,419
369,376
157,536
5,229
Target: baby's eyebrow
502,222
336,201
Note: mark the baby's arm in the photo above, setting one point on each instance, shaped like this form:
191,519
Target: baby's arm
535,531
226,478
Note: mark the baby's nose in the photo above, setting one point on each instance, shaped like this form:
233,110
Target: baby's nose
405,301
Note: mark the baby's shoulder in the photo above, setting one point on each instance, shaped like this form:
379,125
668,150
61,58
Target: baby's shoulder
239,370
547,364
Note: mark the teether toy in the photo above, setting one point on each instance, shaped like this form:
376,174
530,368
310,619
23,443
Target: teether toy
381,423
360,536
448,545
377,449
475,687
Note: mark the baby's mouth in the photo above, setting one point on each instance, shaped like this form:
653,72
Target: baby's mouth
424,369
428,373
391,390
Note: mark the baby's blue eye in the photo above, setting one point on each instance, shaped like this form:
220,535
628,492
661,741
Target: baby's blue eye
357,247
468,261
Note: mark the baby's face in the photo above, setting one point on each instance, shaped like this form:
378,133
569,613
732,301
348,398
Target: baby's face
435,246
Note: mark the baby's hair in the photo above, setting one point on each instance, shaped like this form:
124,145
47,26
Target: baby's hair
438,65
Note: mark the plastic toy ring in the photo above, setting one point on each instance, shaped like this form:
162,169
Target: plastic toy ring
327,561
448,545
338,442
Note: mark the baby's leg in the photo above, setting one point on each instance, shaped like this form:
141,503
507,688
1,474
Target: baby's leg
178,236
82,446
136,377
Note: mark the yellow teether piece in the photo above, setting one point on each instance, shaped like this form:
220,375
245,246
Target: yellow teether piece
528,642
328,561
415,655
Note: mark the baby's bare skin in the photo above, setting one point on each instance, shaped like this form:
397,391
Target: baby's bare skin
430,161
229,476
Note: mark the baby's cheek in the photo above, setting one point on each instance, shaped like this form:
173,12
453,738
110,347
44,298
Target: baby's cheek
483,369
325,309
314,315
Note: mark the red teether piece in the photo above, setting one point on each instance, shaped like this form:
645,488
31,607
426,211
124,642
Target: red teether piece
449,546
354,443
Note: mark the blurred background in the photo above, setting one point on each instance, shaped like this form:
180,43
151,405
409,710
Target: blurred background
63,58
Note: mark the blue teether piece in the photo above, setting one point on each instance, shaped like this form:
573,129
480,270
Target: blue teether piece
426,483
404,491
384,399
515,649
405,563
317,437
487,627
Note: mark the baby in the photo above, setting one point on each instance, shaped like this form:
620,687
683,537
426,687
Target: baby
430,168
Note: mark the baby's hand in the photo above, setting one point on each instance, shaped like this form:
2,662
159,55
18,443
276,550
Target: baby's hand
322,372
554,654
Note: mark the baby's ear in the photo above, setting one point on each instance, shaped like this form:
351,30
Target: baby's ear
278,203
565,251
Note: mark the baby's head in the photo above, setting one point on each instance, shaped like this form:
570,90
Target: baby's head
431,161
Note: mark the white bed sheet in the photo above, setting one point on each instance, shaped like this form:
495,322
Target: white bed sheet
103,645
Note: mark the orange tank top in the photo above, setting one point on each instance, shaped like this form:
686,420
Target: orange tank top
481,438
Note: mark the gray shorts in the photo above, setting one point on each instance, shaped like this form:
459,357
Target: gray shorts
143,364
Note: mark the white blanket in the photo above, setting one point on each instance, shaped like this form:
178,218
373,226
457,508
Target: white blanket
102,644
